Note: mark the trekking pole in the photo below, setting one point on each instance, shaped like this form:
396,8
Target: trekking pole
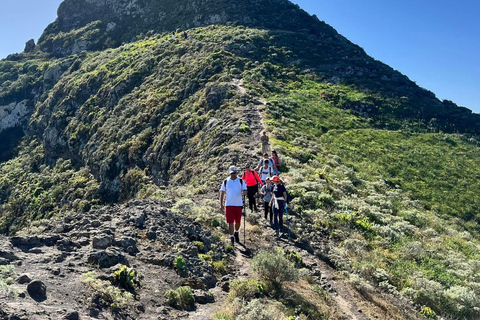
288,221
244,218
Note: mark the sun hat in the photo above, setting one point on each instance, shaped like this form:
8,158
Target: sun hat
232,169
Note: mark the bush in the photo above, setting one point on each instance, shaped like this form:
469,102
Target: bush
257,310
180,264
125,277
274,268
114,297
182,298
245,289
6,279
428,313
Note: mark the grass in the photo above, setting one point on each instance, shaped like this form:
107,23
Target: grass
399,205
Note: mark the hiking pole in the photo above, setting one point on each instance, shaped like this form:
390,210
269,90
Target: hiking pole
288,221
244,218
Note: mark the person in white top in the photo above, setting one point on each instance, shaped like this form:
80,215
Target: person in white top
231,202
265,172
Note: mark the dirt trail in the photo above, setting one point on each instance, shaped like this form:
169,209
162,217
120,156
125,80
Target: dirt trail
348,303
261,236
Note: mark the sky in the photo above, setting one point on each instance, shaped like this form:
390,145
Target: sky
436,43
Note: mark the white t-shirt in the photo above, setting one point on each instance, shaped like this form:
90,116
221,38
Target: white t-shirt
234,192
265,173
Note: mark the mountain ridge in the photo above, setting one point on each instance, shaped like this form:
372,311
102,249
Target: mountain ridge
368,157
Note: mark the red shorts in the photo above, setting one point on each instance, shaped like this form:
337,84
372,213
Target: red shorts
234,214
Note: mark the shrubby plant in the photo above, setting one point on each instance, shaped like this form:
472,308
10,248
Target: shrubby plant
274,268
181,298
113,296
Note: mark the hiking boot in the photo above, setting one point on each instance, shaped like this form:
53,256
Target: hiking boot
232,240
277,232
237,237
271,224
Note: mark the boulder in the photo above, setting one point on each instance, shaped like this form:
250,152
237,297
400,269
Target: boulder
102,241
203,297
37,290
107,258
23,279
71,316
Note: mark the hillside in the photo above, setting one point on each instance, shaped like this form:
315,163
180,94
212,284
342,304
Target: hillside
116,103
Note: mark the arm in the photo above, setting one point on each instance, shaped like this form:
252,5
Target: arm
222,201
258,178
258,166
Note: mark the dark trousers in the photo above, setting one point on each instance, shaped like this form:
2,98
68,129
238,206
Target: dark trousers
251,192
278,214
268,209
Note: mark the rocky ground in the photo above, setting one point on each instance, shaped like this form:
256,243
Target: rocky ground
49,269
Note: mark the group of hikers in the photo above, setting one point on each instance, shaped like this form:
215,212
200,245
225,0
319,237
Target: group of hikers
273,192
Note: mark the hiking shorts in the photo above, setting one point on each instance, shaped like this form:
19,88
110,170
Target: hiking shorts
233,214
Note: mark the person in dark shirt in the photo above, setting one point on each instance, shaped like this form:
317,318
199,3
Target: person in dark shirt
278,202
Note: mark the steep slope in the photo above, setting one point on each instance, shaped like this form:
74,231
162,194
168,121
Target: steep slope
383,173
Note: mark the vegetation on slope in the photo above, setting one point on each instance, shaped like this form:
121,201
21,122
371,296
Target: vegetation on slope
398,206
118,124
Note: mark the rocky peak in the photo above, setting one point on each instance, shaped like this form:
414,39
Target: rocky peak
96,24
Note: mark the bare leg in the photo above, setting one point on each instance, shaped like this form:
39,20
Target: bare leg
237,227
230,228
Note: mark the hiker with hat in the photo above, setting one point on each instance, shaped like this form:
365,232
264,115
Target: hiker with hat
231,202
252,180
267,193
278,203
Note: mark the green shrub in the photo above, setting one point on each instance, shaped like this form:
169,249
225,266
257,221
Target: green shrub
182,298
223,316
245,289
200,246
6,279
113,296
220,265
274,268
295,258
125,277
180,264
428,313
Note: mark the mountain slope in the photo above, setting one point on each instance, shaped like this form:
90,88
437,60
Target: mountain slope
383,174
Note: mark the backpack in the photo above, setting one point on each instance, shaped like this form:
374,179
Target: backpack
269,171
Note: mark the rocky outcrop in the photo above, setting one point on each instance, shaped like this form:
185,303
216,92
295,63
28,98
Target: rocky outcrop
29,46
13,114
87,24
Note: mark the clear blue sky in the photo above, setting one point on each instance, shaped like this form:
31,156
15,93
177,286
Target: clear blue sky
435,43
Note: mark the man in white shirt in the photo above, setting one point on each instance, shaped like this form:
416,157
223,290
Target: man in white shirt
233,188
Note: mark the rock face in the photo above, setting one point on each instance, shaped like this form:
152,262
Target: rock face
12,114
29,46
122,20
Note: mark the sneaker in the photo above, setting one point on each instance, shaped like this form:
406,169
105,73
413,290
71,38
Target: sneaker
237,237
232,240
